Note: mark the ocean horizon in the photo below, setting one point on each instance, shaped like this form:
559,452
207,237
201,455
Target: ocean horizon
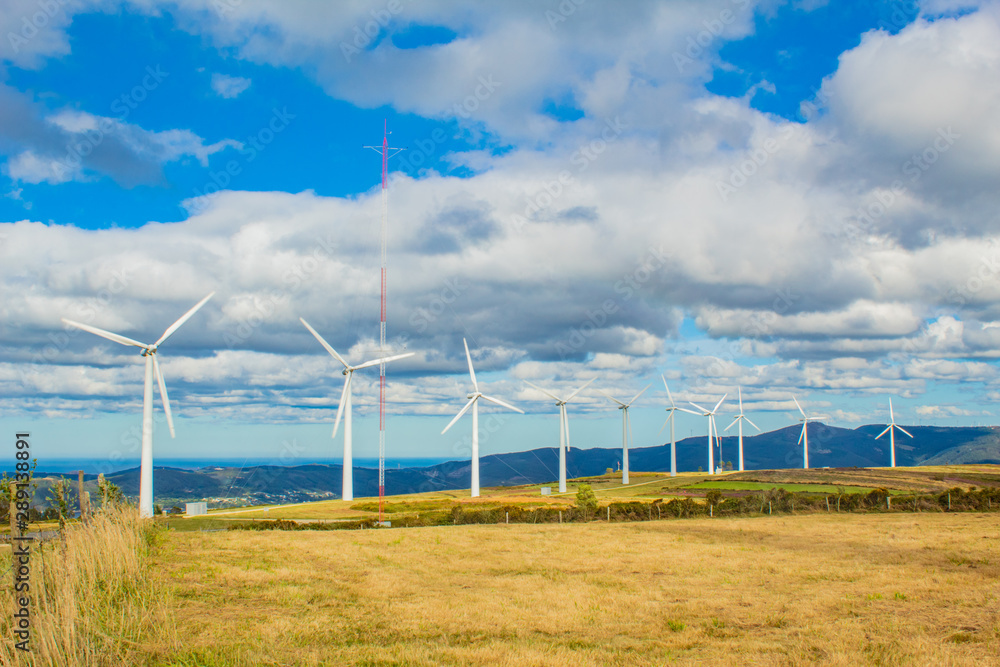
92,466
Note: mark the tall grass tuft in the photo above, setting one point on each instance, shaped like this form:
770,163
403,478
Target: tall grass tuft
92,596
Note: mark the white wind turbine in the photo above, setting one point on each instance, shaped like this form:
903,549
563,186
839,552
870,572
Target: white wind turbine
711,427
892,435
804,436
626,429
563,428
152,369
344,407
474,404
670,418
740,418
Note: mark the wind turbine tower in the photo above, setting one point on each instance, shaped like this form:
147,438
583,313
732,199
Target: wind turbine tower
344,407
711,427
740,418
892,436
670,418
804,436
626,429
152,369
563,428
474,404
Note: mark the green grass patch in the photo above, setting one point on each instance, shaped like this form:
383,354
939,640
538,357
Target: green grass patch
797,488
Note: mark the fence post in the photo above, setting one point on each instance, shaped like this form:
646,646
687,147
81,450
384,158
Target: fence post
828,503
949,501
609,513
888,505
560,516
710,513
507,519
769,508
83,500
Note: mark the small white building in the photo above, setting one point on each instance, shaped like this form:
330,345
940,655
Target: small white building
195,509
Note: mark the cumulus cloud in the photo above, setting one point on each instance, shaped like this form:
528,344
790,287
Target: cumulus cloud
586,245
229,87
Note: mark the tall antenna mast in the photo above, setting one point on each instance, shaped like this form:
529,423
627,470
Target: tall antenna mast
384,149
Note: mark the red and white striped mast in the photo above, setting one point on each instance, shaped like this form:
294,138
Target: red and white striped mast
383,352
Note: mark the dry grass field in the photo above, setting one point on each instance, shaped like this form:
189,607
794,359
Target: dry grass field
862,589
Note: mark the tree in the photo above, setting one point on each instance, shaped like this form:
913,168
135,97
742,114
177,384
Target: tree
110,492
713,497
586,500
59,497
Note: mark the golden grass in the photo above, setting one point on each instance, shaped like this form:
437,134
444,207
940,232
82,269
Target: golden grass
92,600
815,589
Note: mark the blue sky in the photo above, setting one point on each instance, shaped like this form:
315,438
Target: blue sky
791,197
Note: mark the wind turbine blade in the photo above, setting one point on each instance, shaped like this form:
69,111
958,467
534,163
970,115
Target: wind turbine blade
376,362
669,417
472,372
883,432
105,334
752,424
903,430
799,406
460,413
668,391
735,422
611,397
184,318
692,412
639,394
573,395
163,394
892,420
715,409
322,341
499,402
343,400
802,435
547,393
703,410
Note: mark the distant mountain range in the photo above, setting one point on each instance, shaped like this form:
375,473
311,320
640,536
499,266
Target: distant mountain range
828,446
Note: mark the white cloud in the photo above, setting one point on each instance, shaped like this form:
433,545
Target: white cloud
229,87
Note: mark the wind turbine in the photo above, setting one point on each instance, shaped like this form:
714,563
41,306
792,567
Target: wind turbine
711,427
804,437
670,418
474,404
152,368
563,428
892,435
740,418
626,429
344,407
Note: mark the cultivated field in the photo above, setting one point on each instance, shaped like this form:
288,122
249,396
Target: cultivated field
882,589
